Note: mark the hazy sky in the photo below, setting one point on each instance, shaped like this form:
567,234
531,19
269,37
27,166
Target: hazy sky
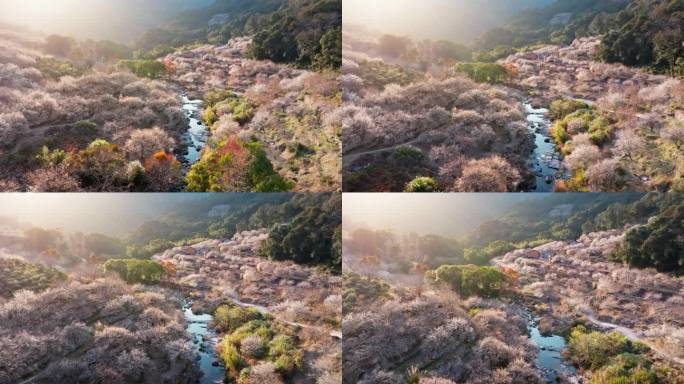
113,214
121,20
457,20
448,214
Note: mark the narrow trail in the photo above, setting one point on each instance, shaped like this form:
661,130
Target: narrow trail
352,157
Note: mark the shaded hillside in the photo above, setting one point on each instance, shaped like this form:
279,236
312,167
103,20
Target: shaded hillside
305,228
305,33
643,33
559,23
654,237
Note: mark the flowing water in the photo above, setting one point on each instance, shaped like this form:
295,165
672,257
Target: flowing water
197,133
204,340
550,357
546,162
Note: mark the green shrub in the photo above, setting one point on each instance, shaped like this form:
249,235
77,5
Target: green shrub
54,68
259,328
491,73
593,350
18,274
135,271
600,130
150,69
361,290
230,356
470,280
482,256
625,368
407,154
212,98
281,345
378,74
137,251
287,364
232,165
560,135
422,184
561,108
494,54
229,318
240,109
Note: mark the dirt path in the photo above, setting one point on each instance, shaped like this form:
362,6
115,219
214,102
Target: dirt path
352,157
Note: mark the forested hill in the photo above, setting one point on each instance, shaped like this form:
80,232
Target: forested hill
558,23
655,237
306,33
645,33
305,228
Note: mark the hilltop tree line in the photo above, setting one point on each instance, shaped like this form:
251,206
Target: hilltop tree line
653,241
305,228
643,33
305,33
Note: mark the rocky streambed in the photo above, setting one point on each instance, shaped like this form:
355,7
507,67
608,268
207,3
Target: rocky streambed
546,162
550,358
204,340
196,136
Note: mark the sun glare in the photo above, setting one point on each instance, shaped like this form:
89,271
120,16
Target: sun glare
46,12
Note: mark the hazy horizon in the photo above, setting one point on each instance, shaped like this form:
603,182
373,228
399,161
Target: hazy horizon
113,214
122,20
442,214
456,20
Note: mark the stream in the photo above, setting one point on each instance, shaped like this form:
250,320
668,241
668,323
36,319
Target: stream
550,358
197,134
204,341
546,160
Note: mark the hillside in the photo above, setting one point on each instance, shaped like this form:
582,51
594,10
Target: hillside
305,33
642,33
304,228
220,287
596,301
80,115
